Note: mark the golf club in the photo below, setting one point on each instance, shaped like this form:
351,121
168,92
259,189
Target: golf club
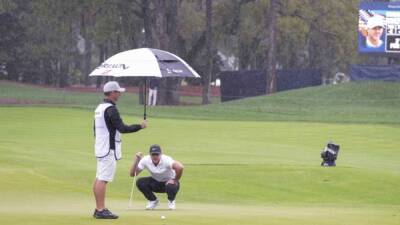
133,187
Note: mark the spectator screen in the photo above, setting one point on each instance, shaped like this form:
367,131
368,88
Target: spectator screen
379,27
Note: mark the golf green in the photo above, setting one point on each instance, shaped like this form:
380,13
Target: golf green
236,172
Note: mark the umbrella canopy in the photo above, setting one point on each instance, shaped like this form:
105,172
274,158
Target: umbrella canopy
145,62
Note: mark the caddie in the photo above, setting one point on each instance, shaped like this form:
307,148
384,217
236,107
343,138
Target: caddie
108,127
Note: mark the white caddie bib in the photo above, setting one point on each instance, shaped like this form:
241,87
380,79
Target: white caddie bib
102,135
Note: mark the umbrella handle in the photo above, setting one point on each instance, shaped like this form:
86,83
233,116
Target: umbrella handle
145,99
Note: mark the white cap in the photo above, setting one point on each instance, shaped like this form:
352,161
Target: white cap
375,21
112,86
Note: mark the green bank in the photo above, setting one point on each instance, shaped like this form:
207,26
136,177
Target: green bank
253,161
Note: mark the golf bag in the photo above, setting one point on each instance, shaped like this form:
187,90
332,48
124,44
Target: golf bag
330,154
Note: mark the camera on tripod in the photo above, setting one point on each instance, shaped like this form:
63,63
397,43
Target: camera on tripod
330,154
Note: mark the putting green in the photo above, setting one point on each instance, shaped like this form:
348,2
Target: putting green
77,211
235,172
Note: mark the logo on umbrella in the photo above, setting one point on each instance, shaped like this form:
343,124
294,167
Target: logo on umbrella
169,71
113,66
106,72
177,71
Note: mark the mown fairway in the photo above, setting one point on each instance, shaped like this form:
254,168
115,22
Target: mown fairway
237,171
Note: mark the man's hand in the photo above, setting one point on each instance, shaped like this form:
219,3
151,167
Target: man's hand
138,156
134,171
143,124
172,181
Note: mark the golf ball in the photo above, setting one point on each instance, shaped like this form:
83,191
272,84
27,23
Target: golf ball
163,217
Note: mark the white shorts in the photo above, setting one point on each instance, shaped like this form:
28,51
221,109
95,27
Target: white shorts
106,167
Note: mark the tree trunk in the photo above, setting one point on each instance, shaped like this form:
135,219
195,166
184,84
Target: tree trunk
172,25
107,47
208,75
270,23
147,24
161,24
148,38
161,42
87,53
63,73
101,59
88,60
141,93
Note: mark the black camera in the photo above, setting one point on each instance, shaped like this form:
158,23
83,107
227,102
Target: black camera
330,154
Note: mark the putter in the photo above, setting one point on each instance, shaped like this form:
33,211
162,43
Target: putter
133,187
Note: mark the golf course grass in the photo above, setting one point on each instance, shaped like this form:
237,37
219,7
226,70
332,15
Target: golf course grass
254,161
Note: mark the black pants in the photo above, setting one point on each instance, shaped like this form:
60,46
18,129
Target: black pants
148,185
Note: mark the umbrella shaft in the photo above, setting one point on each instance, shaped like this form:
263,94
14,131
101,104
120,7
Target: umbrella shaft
145,98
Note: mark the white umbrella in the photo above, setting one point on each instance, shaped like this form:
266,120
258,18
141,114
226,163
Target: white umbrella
145,62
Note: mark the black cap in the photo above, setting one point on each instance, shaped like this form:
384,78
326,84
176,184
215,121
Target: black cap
155,149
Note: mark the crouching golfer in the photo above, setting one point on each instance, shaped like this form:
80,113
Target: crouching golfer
108,127
165,174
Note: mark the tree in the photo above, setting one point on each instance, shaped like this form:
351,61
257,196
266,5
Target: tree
307,33
87,21
166,37
207,76
161,41
147,23
173,83
270,23
51,45
11,40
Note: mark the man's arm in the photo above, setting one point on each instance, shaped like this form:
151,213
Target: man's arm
134,171
117,122
178,167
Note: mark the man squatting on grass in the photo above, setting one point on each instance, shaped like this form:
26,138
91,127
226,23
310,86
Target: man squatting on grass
165,174
108,127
